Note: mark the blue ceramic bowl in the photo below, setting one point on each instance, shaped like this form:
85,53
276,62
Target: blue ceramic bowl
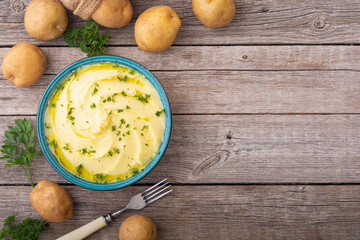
49,93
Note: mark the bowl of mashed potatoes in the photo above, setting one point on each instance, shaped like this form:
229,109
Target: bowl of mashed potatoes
104,122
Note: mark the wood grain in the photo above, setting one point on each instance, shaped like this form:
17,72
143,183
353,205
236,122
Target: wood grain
244,149
214,212
240,58
209,92
255,22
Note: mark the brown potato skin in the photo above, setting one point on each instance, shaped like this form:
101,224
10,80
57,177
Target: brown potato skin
113,13
137,227
156,29
214,13
45,19
51,201
24,64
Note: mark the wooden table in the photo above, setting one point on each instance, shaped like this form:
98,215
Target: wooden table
266,123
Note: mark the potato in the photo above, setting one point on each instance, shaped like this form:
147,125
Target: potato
24,64
214,13
45,19
156,29
137,227
51,201
113,13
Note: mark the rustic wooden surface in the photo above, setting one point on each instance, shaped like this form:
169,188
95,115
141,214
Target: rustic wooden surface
266,135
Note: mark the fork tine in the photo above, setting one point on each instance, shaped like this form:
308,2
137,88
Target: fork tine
156,189
158,197
153,186
147,198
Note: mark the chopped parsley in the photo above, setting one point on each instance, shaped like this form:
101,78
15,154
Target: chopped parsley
124,79
53,105
47,125
95,90
113,97
115,65
127,107
143,99
120,110
123,93
127,126
116,150
110,153
132,72
71,118
158,113
71,110
74,73
52,142
104,101
145,127
99,176
79,169
134,171
67,147
113,128
108,99
93,105
128,132
97,85
146,144
83,151
118,133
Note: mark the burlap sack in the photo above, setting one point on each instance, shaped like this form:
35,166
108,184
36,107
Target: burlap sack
82,8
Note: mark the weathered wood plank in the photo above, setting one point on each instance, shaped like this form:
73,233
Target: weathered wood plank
222,58
256,22
244,149
228,92
214,212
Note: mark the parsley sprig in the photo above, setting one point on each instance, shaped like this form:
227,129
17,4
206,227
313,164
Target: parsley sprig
19,148
27,229
88,39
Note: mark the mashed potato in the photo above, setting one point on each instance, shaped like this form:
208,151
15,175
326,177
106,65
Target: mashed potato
105,122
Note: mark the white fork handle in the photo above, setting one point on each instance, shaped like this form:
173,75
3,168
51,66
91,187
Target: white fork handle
86,230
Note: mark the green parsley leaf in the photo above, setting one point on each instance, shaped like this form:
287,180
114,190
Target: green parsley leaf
19,148
134,171
142,98
79,169
88,39
27,229
158,113
71,110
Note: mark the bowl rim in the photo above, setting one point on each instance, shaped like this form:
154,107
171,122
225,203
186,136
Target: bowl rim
54,162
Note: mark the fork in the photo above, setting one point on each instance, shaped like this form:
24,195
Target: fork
137,202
